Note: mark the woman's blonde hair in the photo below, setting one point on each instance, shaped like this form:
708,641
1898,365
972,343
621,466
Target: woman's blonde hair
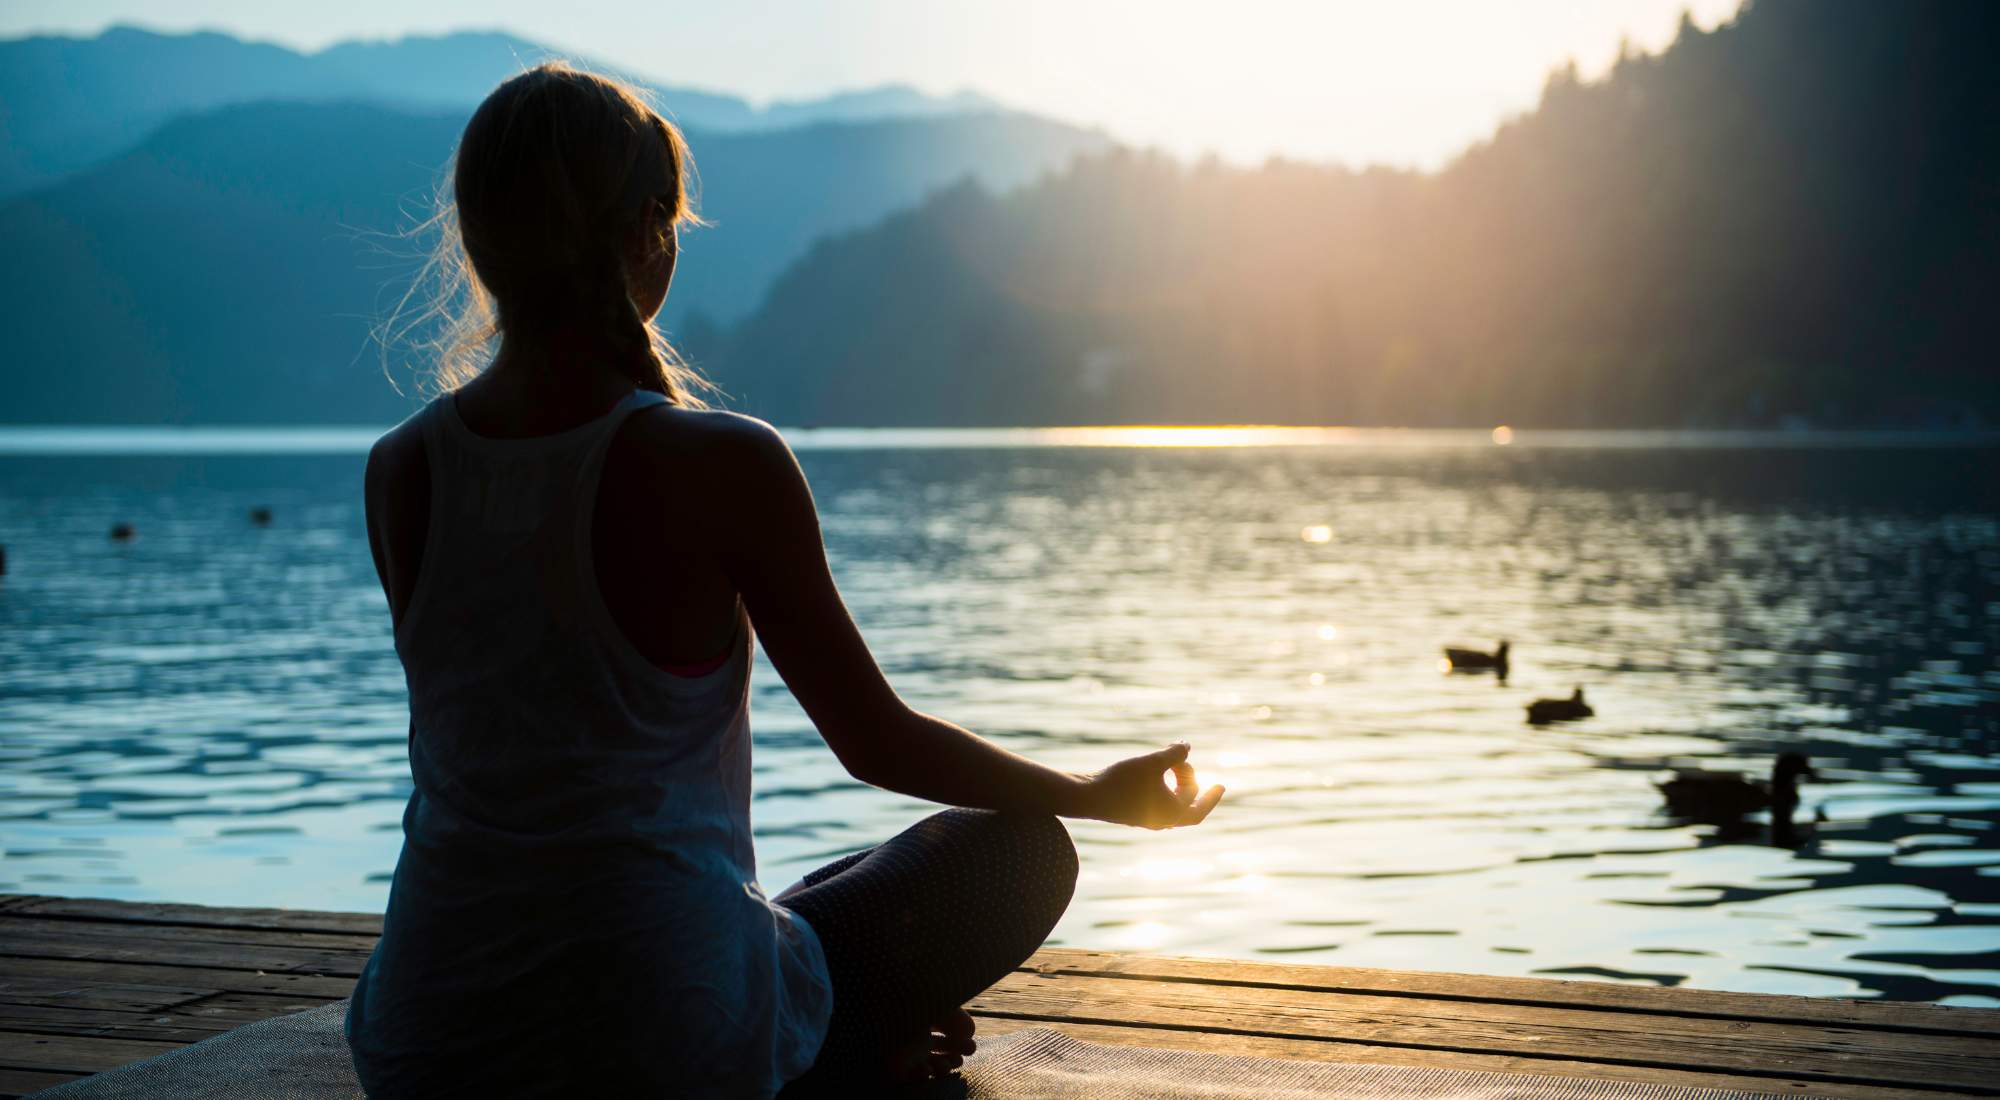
531,227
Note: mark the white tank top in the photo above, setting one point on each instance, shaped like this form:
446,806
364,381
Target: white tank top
576,890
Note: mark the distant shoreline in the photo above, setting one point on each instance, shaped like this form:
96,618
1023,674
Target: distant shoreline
119,440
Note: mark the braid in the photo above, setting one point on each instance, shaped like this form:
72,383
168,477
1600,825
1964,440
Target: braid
630,338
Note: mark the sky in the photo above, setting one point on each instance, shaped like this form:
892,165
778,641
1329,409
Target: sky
1402,82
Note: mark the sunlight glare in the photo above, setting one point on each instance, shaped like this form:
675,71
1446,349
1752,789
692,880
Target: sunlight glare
1249,435
1169,870
1503,435
1145,935
1328,632
1318,532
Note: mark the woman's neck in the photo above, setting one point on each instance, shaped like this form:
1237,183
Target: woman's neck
540,389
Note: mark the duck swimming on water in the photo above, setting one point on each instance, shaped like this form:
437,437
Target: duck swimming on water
1474,660
1723,796
1543,711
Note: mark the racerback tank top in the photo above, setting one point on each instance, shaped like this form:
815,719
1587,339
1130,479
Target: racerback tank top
576,907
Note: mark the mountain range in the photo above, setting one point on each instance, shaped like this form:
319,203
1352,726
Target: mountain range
1793,218
230,265
69,102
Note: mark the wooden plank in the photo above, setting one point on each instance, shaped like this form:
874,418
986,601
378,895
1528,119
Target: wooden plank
188,1024
175,1029
125,944
1880,1014
1262,1046
86,972
1889,1015
94,972
73,1053
1752,1048
153,912
180,933
21,1082
262,1006
17,989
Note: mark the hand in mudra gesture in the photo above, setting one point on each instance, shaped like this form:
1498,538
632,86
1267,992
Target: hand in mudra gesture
1134,791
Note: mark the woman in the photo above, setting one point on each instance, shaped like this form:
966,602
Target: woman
574,551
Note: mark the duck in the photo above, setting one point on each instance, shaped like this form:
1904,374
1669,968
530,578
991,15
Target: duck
122,532
1475,660
261,516
1544,711
1711,796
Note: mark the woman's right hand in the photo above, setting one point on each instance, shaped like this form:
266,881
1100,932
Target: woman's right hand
1134,791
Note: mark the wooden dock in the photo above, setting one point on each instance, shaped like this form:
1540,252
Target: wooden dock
88,985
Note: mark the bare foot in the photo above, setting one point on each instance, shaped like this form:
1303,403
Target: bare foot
951,1042
938,1053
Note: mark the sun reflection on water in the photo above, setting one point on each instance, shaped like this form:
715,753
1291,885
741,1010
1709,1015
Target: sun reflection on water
1143,936
1167,435
1169,869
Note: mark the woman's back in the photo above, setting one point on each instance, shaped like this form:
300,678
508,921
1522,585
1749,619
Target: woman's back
577,862
576,908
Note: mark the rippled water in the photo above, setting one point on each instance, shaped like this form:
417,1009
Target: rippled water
212,712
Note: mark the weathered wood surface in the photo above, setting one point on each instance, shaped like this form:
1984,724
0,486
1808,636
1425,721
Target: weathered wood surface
86,985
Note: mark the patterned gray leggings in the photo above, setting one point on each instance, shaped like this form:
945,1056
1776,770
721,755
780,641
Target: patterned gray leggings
921,923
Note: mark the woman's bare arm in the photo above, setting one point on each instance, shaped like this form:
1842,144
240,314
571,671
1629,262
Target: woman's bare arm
771,549
396,492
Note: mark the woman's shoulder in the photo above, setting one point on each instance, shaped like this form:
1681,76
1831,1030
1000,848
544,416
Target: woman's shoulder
723,458
713,439
397,457
681,425
401,441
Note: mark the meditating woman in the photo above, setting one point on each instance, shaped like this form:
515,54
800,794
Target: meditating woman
575,552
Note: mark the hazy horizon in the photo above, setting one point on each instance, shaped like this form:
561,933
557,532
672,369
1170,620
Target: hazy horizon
1346,83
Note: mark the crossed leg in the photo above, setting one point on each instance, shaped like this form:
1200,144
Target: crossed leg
918,925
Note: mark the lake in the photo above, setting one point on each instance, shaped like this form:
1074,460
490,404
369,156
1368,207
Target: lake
212,712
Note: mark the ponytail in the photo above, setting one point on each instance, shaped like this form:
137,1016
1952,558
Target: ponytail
532,228
630,340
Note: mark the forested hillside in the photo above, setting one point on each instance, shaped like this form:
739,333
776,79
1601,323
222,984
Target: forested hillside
1795,217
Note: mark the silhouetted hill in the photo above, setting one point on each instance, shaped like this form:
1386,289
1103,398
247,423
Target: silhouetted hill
770,194
230,267
1793,217
66,103
211,269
